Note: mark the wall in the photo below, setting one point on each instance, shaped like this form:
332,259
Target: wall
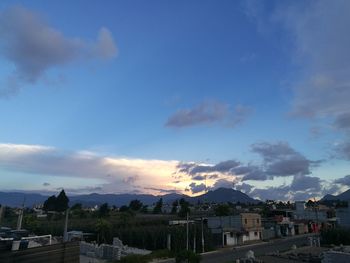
58,253
251,220
343,216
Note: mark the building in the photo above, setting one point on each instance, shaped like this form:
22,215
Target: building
236,230
318,217
343,216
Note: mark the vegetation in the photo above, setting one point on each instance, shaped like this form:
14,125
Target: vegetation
157,254
222,210
158,207
187,256
184,207
57,204
135,205
335,236
103,210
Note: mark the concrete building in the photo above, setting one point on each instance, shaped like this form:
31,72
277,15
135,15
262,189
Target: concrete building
343,216
318,217
238,229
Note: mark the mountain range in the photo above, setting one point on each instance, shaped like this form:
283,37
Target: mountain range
342,197
15,199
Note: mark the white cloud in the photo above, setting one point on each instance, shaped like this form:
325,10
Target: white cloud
119,174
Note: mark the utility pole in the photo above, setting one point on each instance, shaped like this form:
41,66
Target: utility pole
2,208
65,233
202,235
20,216
316,213
187,233
194,239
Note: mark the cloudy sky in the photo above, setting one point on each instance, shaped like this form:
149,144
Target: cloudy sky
163,96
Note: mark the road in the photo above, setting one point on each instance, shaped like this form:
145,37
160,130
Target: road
228,254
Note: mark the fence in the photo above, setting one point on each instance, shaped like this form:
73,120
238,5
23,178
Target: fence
58,253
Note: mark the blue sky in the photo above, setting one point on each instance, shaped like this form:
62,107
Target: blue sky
129,87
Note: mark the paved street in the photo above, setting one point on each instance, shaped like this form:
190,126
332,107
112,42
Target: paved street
228,254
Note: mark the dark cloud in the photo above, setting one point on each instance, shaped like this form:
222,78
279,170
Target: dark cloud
213,176
270,152
46,184
246,188
33,47
195,169
209,112
222,183
198,178
344,180
282,160
271,193
197,188
250,172
185,167
131,179
302,187
305,183
278,159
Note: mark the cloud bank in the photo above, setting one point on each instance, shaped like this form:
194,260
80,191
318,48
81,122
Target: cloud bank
116,174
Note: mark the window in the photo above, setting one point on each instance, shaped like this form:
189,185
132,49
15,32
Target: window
245,221
257,221
255,233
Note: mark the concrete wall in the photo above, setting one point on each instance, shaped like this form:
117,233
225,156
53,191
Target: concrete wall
58,253
231,239
251,220
343,216
225,222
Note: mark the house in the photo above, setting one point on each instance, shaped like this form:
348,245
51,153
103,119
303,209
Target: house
237,229
343,216
318,216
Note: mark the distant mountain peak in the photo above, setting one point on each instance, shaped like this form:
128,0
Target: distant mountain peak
345,196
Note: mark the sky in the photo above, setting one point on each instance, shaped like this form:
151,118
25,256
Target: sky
175,96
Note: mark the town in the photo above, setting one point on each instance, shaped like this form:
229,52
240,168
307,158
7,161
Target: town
138,232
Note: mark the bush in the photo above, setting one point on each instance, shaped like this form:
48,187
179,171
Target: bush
336,236
133,259
187,256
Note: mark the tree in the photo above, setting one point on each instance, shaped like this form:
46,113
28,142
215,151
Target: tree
103,229
222,210
135,205
123,208
62,202
50,204
144,209
77,206
103,210
174,208
158,208
187,256
184,207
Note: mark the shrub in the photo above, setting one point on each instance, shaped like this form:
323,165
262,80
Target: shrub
187,256
133,259
336,236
